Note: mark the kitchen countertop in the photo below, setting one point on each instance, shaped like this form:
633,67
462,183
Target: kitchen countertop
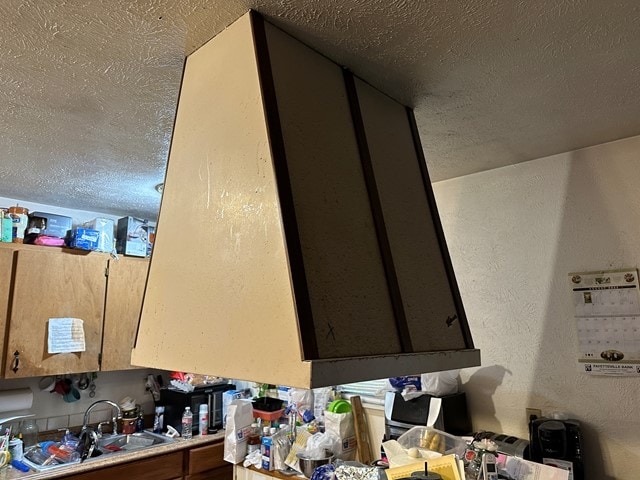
10,473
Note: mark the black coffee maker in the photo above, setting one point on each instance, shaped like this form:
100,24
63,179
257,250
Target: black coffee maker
557,443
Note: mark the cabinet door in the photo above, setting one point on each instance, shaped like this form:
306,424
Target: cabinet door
125,290
158,467
206,458
54,285
6,267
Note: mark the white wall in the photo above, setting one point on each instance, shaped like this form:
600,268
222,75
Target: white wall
514,234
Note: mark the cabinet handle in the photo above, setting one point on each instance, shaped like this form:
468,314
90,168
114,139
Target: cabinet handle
16,362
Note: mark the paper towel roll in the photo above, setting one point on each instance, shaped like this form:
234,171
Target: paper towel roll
18,399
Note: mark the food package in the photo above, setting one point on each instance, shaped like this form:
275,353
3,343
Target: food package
236,433
105,227
341,425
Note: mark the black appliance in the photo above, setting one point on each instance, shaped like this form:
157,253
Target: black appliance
401,415
175,402
558,443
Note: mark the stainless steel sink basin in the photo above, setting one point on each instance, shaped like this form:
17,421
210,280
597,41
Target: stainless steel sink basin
132,441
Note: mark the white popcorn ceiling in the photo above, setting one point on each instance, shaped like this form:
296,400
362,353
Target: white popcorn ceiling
88,88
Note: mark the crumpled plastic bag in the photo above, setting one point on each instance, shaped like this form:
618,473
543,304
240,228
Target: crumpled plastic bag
439,384
319,443
254,458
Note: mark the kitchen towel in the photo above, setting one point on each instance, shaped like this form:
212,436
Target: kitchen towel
17,399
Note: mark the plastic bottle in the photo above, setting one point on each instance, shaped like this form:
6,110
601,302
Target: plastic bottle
140,421
203,419
29,432
253,442
187,423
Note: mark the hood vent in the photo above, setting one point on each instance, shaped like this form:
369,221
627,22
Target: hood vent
298,241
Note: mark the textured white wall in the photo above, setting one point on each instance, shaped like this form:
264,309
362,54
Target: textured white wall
514,234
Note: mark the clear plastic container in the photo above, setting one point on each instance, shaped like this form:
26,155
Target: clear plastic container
61,452
427,438
29,432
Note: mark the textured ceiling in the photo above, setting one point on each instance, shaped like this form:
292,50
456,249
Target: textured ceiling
88,88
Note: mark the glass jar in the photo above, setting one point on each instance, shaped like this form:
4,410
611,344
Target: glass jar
20,217
29,432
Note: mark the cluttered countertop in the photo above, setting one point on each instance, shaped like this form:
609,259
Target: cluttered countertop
426,438
111,460
321,434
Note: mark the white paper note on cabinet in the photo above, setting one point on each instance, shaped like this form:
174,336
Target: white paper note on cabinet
66,335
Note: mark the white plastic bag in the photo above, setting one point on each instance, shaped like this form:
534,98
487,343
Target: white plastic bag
236,433
439,384
341,425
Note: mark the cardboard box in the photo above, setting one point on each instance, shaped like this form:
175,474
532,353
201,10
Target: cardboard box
55,225
131,237
106,228
83,238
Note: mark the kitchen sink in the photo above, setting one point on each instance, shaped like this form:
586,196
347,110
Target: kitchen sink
107,445
130,441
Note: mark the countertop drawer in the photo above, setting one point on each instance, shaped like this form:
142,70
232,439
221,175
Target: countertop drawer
206,458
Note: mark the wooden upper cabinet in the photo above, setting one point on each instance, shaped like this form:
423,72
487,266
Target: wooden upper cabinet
54,284
6,268
125,289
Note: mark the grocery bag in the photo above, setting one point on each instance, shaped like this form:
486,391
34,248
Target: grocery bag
341,425
236,433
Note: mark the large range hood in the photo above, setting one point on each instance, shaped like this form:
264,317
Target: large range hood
298,241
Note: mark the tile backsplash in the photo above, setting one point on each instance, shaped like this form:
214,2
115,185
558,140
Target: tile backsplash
53,413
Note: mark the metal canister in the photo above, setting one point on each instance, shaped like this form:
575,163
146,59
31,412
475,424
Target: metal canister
129,418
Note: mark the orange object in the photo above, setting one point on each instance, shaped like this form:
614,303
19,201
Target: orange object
270,416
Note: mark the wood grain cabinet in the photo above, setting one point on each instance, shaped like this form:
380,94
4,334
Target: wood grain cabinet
319,233
198,463
207,463
159,467
43,283
6,270
48,284
125,289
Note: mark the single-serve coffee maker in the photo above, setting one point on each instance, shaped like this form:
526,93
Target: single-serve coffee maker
558,443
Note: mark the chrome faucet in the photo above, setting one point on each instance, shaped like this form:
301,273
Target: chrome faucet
88,438
114,419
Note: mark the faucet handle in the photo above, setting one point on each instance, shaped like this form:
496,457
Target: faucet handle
99,429
114,422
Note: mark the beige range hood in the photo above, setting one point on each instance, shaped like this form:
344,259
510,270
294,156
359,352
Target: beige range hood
298,241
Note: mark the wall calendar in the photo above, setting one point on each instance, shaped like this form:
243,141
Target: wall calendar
607,313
